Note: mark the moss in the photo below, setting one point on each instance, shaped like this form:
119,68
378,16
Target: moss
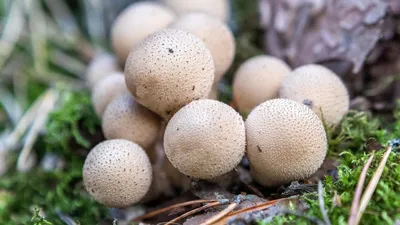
57,191
347,144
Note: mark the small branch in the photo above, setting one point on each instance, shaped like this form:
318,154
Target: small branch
166,209
194,211
357,195
322,204
369,191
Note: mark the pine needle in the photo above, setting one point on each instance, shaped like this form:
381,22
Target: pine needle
194,211
166,209
369,191
322,204
357,195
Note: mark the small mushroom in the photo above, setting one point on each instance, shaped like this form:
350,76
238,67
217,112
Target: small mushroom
101,66
215,34
285,142
106,90
217,8
117,173
258,79
168,70
137,22
320,89
205,139
124,118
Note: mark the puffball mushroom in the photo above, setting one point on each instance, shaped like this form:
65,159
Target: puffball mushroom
101,66
117,173
286,141
168,70
217,8
205,139
320,89
137,22
258,79
215,34
106,90
124,118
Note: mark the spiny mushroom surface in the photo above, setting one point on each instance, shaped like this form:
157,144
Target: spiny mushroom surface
168,70
258,79
101,66
205,139
117,173
137,22
320,89
286,141
217,8
124,118
106,90
215,34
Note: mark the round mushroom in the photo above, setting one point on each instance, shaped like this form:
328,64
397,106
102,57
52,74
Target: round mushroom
117,173
106,90
135,23
320,89
101,66
168,70
215,34
124,118
217,8
205,139
258,79
286,141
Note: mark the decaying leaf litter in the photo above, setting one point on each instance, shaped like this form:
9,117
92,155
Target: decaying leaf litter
371,74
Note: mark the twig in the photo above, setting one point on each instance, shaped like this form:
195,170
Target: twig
194,211
357,195
369,191
45,108
166,209
322,204
221,214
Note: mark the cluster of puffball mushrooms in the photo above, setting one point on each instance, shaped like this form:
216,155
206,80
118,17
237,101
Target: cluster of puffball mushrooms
174,54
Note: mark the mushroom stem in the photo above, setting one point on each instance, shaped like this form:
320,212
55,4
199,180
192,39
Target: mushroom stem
166,209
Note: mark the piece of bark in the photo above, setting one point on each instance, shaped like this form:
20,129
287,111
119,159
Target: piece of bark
343,30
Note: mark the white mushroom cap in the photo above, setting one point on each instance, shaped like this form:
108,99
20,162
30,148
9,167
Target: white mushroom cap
205,139
258,79
217,8
101,66
285,142
168,70
106,90
137,22
117,173
124,118
215,34
320,89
